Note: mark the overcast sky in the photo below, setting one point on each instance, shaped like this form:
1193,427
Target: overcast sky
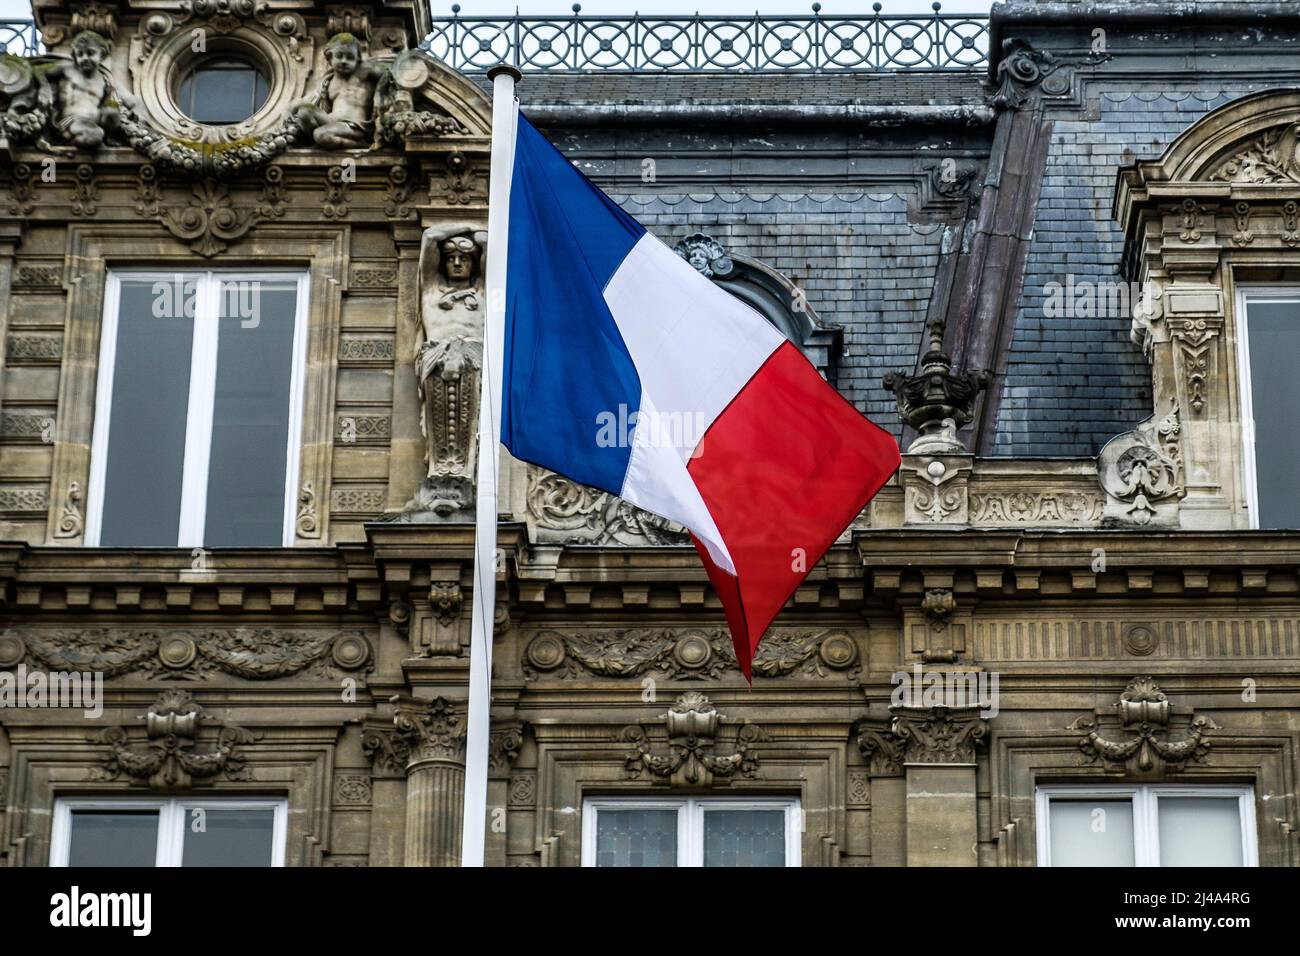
21,9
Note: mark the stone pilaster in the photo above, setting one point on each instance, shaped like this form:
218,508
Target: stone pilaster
938,745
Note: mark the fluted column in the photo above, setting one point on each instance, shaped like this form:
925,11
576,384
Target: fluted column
434,740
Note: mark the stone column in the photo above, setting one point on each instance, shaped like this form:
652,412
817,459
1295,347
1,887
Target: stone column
939,762
433,740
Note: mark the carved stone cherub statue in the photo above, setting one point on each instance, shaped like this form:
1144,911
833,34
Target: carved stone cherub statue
342,116
74,98
449,363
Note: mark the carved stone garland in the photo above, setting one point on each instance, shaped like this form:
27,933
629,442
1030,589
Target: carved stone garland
692,725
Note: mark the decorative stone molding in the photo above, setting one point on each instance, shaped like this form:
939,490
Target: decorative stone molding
504,745
936,488
446,598
523,791
880,746
1144,713
34,349
169,759
1267,158
306,522
24,500
1141,473
1049,509
686,655
366,350
352,789
189,655
435,732
27,427
706,255
357,500
939,735
692,725
570,513
71,519
1019,72
402,101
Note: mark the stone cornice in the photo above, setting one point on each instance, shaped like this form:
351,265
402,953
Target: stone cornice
360,578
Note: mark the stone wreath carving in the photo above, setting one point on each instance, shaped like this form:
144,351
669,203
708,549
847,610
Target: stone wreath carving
692,726
685,655
169,759
1144,713
250,653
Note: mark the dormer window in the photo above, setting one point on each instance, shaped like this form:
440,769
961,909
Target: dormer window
222,90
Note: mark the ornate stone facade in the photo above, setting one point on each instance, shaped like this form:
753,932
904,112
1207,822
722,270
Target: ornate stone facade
1140,630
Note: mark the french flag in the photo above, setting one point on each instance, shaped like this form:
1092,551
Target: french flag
730,431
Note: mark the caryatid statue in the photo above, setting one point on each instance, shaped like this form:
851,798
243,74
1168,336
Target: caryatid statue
449,363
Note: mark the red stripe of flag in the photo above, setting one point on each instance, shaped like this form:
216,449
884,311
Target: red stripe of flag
784,470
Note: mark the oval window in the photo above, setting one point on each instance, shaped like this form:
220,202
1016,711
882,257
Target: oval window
224,90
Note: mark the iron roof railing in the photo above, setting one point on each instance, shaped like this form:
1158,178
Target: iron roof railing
701,44
20,37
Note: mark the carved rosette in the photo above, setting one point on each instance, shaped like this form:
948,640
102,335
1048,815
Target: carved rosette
692,726
1144,714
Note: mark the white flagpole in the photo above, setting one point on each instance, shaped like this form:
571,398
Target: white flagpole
479,708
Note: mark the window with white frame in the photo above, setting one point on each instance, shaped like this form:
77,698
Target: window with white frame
1169,825
705,831
111,831
198,410
1268,342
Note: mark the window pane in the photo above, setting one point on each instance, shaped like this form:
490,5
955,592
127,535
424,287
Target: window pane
1200,831
744,838
222,92
228,837
150,402
1274,336
250,419
1092,832
114,838
636,837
